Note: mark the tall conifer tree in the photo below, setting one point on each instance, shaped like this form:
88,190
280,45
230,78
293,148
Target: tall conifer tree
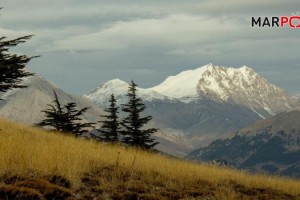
109,131
66,119
133,134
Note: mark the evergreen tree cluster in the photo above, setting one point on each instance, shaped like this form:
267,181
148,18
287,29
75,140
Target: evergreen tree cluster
68,119
130,129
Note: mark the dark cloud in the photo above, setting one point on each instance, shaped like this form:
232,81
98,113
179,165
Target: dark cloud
84,43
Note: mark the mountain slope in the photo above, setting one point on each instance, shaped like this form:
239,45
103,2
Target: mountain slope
25,105
271,145
57,166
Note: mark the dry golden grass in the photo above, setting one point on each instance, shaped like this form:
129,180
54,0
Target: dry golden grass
33,152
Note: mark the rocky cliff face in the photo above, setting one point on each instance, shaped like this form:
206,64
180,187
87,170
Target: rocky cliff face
244,86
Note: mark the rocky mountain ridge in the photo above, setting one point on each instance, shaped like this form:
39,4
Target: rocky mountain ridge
242,86
271,145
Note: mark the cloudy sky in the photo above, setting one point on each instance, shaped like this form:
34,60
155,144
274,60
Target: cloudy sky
85,43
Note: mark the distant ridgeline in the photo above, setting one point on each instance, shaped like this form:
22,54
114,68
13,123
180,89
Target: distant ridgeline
266,149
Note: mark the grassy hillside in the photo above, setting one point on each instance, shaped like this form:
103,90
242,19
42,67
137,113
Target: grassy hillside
35,164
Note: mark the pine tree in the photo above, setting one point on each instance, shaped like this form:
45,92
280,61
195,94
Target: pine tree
109,131
73,120
66,119
133,134
54,116
12,65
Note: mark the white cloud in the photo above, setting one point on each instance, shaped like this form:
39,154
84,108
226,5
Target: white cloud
171,32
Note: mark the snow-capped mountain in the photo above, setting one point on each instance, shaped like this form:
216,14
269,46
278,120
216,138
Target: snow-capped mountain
241,86
101,95
245,87
203,104
25,105
271,145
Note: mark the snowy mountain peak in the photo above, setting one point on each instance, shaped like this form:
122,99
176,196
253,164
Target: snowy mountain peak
119,88
241,86
219,82
245,87
111,86
115,82
114,86
185,84
244,67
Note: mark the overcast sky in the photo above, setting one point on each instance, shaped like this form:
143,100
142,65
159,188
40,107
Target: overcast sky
85,43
